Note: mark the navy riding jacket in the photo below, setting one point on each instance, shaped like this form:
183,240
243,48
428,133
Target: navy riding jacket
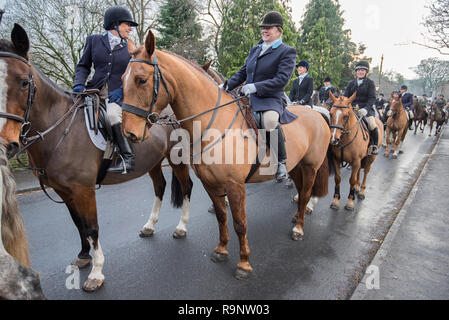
366,93
270,73
109,64
407,99
303,91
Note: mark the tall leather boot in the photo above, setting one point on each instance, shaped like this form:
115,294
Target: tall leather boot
374,135
281,173
125,150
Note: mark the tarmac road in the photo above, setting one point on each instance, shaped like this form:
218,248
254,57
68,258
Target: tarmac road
327,264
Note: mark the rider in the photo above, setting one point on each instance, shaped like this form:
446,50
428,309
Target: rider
302,88
324,91
380,103
109,55
407,102
441,103
267,71
365,99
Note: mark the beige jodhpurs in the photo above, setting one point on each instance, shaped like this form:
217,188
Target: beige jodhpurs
114,112
270,120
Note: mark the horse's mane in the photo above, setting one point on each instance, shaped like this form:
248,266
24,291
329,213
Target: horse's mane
13,235
195,66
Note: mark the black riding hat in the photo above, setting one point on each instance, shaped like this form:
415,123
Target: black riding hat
117,14
327,79
362,65
272,19
404,87
303,63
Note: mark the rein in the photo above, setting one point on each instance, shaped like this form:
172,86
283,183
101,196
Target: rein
344,132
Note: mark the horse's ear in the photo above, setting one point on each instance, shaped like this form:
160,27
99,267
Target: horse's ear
131,47
206,66
331,95
352,98
20,40
150,43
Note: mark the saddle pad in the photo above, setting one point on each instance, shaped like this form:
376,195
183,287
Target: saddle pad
97,139
324,112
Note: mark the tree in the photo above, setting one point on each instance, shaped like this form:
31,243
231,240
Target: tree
433,72
240,32
58,28
323,19
180,31
437,26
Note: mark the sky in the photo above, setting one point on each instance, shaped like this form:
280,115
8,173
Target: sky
386,27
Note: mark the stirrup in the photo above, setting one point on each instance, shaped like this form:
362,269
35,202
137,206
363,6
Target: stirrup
123,164
373,150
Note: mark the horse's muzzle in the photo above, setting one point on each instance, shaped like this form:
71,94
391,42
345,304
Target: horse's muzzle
11,149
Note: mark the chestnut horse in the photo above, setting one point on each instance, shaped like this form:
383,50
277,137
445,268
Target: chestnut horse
420,113
349,143
397,126
437,117
156,78
71,167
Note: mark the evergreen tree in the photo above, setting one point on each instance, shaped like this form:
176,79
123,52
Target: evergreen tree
322,31
180,31
240,33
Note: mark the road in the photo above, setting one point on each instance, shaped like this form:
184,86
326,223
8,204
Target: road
327,264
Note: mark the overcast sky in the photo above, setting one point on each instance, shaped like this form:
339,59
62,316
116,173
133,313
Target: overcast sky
384,26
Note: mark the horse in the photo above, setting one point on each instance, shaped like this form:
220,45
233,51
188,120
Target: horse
72,170
191,92
436,116
397,126
17,279
349,143
420,114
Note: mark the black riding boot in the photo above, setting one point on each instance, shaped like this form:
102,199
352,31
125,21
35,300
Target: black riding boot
281,173
125,150
374,135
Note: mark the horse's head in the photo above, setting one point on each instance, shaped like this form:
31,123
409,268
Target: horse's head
395,103
16,87
146,92
340,113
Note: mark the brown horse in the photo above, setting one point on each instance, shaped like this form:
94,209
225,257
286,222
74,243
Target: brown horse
420,113
397,126
437,117
350,144
71,167
192,93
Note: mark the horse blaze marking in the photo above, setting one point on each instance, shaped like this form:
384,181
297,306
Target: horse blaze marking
3,90
336,123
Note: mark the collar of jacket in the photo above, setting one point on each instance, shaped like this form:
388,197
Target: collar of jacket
105,40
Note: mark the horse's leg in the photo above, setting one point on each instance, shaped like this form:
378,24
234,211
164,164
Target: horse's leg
366,170
181,173
337,196
353,181
159,184
308,175
396,141
387,142
220,253
237,202
417,123
83,208
312,202
431,126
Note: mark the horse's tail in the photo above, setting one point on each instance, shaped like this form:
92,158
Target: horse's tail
177,198
12,229
320,187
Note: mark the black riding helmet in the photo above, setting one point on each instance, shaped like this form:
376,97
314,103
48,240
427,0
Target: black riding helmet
362,65
272,19
117,15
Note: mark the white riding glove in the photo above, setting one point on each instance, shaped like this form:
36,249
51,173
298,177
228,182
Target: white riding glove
248,89
363,112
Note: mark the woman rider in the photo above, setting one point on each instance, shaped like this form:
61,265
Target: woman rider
365,99
267,71
109,55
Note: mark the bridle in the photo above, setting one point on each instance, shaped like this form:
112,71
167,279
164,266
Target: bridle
342,128
26,125
151,116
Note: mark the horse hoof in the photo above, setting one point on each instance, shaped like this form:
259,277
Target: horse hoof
146,233
394,157
289,184
309,211
92,285
335,207
401,152
81,263
296,236
219,258
349,208
211,209
179,234
361,196
242,274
